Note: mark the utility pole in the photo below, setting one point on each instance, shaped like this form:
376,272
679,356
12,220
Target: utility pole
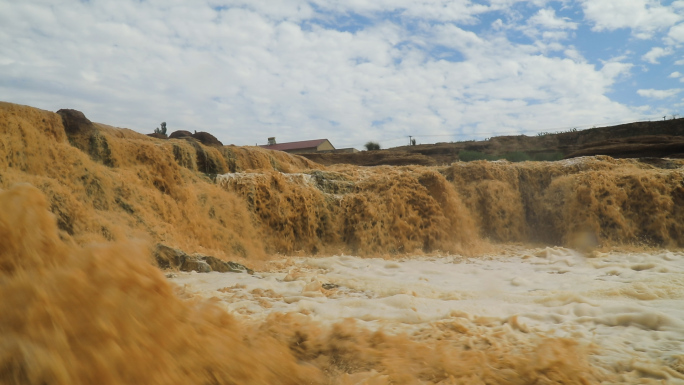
410,142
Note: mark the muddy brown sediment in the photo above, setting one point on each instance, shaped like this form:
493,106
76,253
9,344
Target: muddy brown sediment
101,314
269,202
83,303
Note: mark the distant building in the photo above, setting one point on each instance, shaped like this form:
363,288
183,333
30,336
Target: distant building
306,146
343,150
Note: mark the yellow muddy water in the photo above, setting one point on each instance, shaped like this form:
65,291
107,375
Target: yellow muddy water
82,302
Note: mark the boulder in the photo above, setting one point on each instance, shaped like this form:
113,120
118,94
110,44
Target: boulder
168,257
171,258
75,122
83,135
195,264
207,139
180,134
226,267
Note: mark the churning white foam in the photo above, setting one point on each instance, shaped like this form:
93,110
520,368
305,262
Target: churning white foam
629,305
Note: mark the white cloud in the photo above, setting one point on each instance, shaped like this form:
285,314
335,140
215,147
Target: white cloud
546,18
616,69
675,75
573,54
656,53
290,10
443,10
555,35
546,25
676,34
659,94
644,17
249,70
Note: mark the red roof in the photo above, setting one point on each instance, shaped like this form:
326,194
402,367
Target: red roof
295,145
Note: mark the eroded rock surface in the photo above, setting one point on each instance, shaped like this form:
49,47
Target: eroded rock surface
180,134
171,258
207,139
75,122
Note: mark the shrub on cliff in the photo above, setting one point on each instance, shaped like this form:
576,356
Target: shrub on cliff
161,130
371,146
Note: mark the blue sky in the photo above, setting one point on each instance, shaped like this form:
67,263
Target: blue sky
349,71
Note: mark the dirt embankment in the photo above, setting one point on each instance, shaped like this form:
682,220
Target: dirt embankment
657,139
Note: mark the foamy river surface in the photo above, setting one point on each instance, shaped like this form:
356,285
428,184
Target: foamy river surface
628,307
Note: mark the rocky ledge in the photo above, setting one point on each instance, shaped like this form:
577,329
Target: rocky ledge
169,258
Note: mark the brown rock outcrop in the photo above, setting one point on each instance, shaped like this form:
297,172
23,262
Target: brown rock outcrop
171,258
168,257
83,135
75,122
207,139
180,134
195,264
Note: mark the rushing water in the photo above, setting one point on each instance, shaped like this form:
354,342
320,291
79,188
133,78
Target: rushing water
447,285
628,308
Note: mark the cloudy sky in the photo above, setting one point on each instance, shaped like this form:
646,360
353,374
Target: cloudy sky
347,70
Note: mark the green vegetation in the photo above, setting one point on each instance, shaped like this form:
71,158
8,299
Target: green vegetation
515,156
544,133
467,156
370,146
161,130
548,156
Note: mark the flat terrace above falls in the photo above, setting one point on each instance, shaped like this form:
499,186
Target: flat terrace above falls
659,139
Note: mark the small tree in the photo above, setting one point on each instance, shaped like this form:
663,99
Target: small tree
371,146
161,130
